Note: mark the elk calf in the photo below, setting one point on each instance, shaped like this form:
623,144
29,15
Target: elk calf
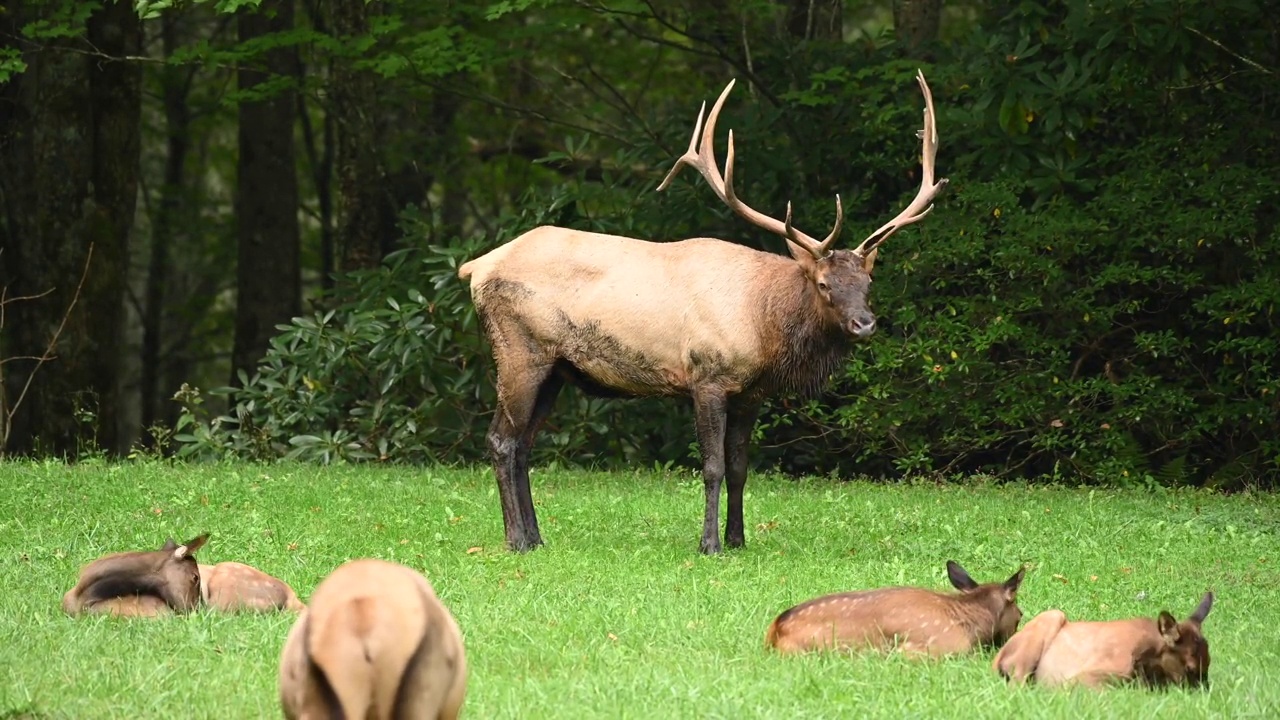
375,642
1055,652
915,620
233,586
140,583
716,322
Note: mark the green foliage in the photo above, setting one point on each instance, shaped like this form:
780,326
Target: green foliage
387,376
401,373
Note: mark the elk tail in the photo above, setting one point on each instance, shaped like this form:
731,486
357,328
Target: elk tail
771,635
465,269
337,646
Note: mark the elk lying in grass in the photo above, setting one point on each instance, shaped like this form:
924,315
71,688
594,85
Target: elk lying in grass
1159,652
375,642
234,586
714,320
140,583
914,620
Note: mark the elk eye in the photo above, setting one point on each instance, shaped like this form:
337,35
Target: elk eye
822,286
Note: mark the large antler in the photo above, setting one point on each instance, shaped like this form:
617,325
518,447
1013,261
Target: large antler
703,159
923,201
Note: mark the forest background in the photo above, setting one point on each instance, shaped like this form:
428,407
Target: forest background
230,228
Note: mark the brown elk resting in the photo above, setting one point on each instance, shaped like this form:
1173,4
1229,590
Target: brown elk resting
914,620
1055,652
716,321
140,583
375,643
233,586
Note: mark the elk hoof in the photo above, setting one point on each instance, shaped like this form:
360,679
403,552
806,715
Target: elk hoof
523,543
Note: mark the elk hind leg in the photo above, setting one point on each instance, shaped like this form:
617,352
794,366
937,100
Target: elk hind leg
709,407
521,380
739,425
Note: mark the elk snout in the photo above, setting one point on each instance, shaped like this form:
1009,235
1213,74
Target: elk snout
863,325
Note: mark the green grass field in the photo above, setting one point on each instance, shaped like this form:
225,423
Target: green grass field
618,616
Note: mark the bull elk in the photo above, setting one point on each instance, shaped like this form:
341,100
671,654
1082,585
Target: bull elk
375,643
1054,652
725,324
234,586
915,620
139,583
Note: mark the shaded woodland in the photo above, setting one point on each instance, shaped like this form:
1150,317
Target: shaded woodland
229,228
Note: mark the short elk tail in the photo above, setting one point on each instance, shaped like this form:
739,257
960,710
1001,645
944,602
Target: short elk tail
337,646
771,635
465,270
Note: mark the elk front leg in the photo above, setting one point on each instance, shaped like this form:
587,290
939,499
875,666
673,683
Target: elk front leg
741,421
709,408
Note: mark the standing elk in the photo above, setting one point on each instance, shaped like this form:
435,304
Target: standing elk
723,323
1159,652
374,644
914,620
140,583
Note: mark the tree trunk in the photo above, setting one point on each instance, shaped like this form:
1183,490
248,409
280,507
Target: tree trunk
916,22
359,128
175,82
268,272
69,143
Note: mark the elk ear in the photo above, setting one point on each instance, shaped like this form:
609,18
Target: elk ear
188,548
869,262
169,544
960,579
1168,627
804,257
1013,583
1202,610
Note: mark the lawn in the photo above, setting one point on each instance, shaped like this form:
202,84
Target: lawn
618,616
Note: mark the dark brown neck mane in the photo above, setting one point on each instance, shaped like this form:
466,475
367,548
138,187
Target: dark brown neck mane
805,347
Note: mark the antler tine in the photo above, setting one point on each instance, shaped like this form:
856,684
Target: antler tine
824,246
690,156
701,156
923,202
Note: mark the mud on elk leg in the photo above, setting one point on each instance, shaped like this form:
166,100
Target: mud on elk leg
741,421
709,408
520,380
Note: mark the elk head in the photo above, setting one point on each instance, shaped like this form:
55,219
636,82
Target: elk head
1000,598
841,279
1182,657
170,574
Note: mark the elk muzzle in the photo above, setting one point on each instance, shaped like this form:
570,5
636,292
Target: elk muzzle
862,326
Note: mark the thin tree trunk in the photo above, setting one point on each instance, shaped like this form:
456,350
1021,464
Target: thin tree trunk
175,82
268,272
815,19
359,129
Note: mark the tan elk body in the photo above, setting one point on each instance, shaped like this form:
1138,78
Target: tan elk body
704,318
913,620
1053,651
235,586
374,643
139,583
